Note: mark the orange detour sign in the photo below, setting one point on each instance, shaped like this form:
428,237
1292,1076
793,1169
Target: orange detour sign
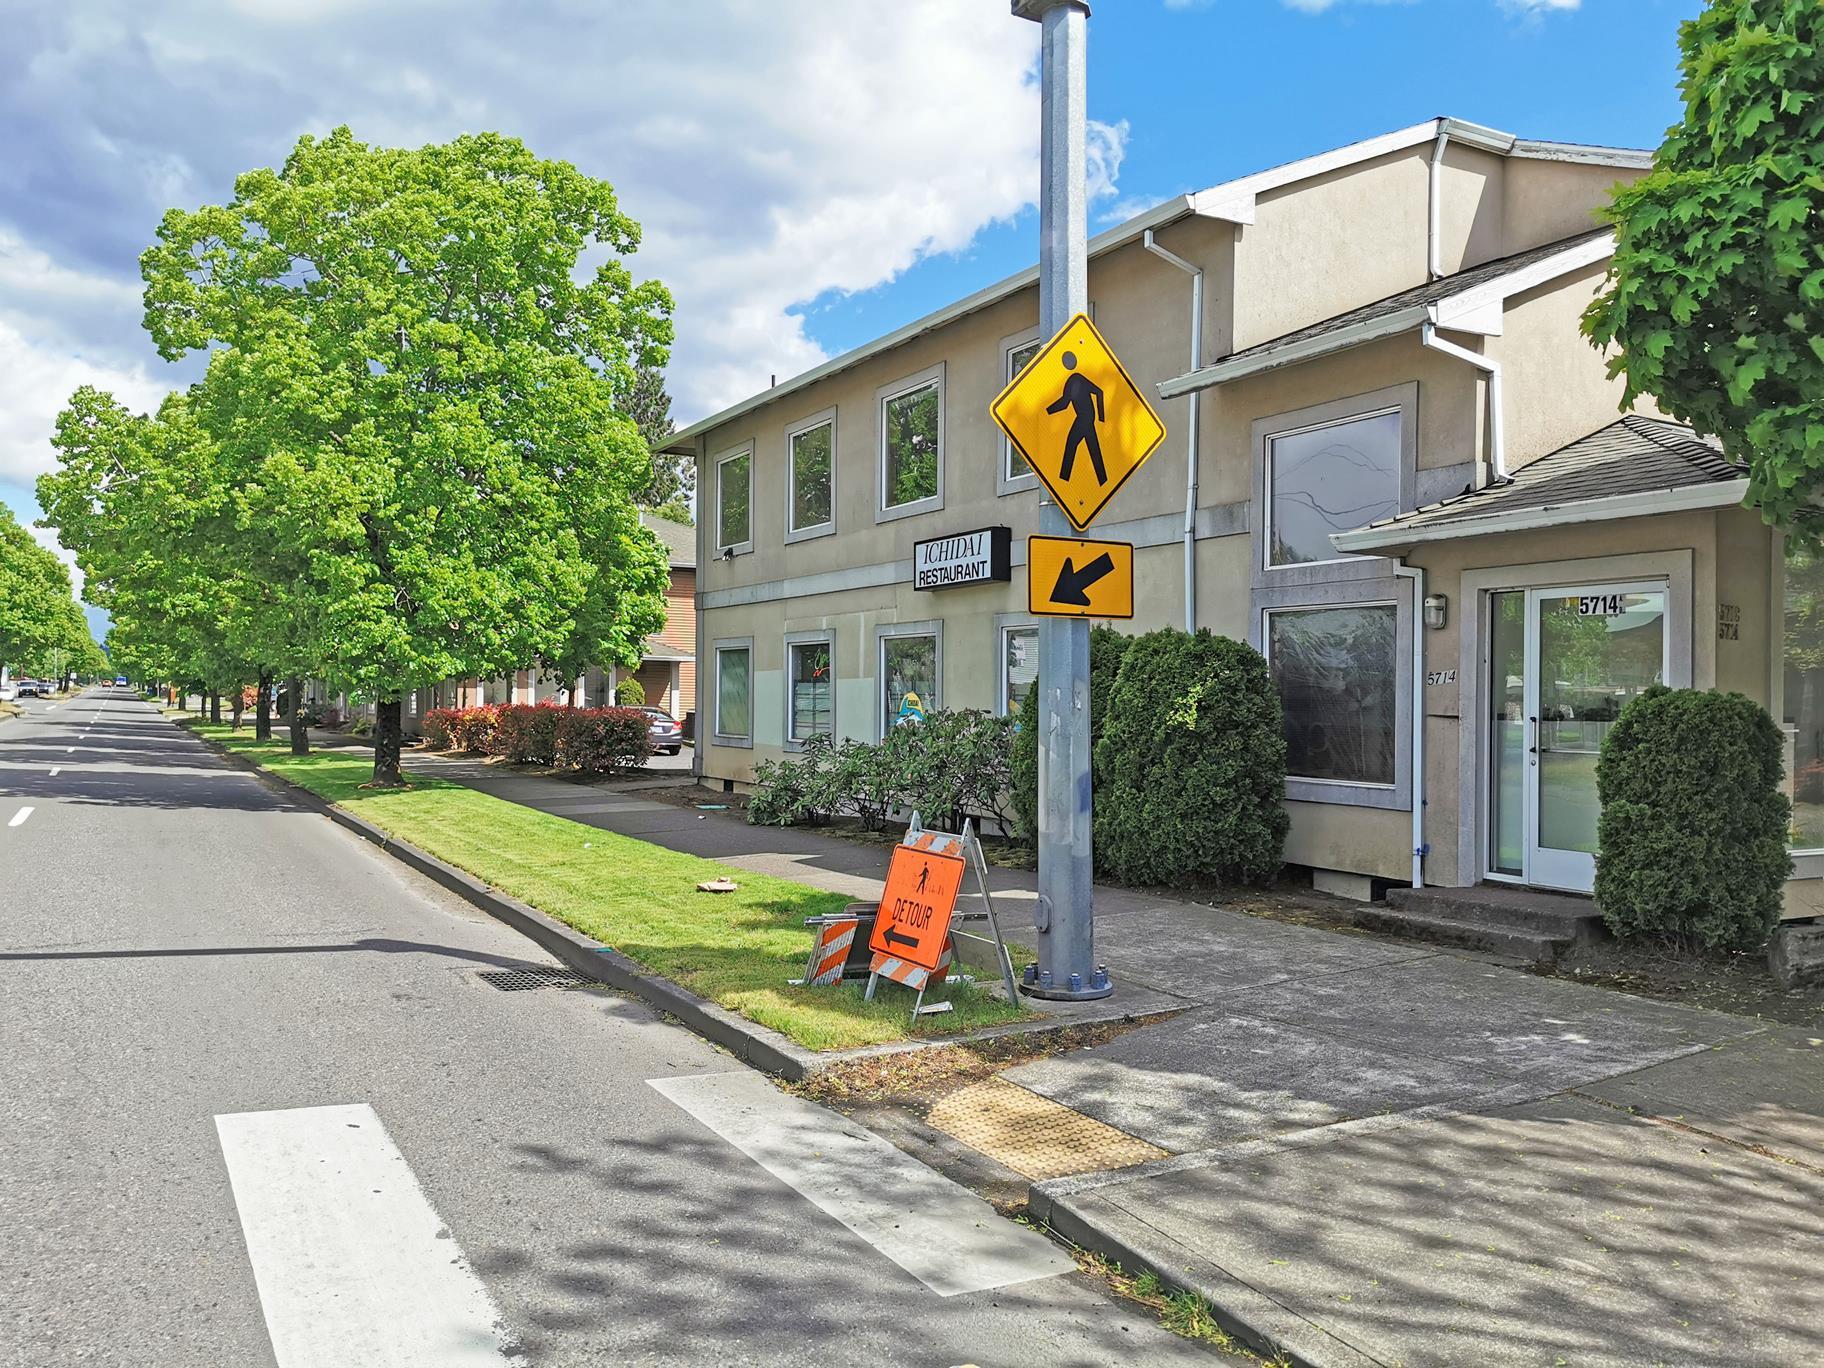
1079,419
914,919
1077,577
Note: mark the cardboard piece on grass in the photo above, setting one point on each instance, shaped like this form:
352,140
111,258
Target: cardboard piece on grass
717,886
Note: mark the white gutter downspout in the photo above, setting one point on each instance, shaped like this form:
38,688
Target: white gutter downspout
1416,574
1497,434
1434,252
1195,397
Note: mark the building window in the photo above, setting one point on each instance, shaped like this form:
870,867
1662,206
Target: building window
1330,478
908,678
1803,707
734,501
811,703
912,446
810,473
1015,357
734,692
1337,674
1019,666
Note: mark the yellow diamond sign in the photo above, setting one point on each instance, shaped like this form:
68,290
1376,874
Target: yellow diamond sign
1080,421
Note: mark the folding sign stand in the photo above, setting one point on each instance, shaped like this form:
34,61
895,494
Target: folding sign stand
897,968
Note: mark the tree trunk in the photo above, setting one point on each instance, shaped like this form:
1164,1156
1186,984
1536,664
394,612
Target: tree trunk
300,735
237,706
262,708
387,741
215,707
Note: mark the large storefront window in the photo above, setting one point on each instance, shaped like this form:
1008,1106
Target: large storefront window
908,674
1804,696
1337,671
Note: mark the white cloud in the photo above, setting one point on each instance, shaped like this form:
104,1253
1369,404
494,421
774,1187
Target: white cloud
36,379
775,150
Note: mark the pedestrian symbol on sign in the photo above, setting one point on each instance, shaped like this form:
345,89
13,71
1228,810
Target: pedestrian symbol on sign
1084,397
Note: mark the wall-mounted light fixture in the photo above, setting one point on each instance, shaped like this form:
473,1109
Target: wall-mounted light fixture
1437,611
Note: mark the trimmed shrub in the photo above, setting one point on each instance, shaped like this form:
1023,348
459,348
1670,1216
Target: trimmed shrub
526,733
1191,765
472,729
437,725
1692,837
1106,648
630,693
601,740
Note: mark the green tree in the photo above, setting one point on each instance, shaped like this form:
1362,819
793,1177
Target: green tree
1715,293
674,478
41,624
402,343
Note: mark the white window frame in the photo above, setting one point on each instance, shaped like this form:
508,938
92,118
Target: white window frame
931,627
1004,483
926,379
717,735
1003,628
792,432
739,548
827,639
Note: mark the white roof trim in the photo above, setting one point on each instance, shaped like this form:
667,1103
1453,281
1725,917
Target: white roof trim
1468,311
1583,154
1302,349
1233,201
1720,494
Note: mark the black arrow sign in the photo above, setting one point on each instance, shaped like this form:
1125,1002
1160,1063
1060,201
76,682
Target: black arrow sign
893,936
1073,584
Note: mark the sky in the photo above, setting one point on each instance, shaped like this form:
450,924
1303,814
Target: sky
810,174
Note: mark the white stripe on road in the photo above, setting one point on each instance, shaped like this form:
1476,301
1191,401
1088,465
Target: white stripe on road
355,1269
939,1232
69,750
20,816
56,770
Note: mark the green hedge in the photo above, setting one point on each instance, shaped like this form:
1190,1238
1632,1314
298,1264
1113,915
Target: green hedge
1106,647
1191,766
1692,837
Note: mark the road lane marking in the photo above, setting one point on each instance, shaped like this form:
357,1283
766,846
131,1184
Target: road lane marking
69,750
938,1231
20,816
55,770
353,1265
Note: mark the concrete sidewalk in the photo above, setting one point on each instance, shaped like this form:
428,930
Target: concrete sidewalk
1391,1154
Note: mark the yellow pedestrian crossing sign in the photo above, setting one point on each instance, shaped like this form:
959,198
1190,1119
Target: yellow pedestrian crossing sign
1080,421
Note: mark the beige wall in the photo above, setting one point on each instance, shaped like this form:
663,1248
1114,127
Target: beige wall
1314,250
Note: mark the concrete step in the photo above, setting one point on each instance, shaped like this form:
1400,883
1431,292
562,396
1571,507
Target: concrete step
1535,945
1514,909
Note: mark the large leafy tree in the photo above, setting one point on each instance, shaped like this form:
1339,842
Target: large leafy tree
1716,295
421,386
42,627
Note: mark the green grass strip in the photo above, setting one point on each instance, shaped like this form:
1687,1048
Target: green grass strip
736,949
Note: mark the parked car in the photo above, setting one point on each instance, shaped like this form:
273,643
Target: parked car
663,731
32,688
8,692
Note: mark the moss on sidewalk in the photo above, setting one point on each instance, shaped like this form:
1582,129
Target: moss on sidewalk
736,949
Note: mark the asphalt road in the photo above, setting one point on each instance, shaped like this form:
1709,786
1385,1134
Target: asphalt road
178,943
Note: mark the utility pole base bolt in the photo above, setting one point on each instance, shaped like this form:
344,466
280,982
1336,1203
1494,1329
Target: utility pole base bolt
1039,983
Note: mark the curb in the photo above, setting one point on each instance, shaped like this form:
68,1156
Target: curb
761,1046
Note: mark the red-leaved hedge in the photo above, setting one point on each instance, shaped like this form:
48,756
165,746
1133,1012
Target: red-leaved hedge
592,740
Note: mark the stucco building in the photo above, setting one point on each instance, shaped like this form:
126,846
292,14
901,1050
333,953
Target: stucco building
1407,482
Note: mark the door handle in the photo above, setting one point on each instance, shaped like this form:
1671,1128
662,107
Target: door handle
1533,750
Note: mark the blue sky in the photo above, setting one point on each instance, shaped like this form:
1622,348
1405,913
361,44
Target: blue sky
810,173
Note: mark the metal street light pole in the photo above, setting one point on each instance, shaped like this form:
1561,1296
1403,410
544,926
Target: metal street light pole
1066,915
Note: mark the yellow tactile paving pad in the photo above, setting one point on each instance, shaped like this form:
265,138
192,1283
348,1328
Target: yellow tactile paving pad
1032,1135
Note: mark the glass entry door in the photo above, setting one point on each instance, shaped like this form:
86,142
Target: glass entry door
1571,660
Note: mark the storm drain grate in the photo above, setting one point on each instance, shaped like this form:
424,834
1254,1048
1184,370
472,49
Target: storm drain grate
530,977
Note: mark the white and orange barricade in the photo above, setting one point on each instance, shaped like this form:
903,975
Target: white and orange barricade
838,946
